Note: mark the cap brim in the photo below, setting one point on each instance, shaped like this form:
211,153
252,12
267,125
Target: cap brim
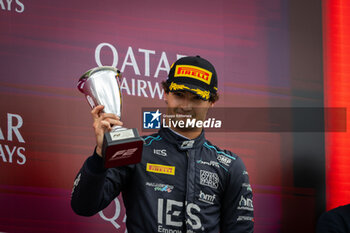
199,91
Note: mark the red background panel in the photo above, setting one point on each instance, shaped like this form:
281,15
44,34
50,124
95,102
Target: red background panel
337,83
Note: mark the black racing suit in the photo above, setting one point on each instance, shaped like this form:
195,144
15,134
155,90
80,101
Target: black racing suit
180,185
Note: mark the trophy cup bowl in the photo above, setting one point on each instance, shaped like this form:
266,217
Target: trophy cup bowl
101,86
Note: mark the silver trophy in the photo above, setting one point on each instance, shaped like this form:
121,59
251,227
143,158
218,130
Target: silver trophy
101,86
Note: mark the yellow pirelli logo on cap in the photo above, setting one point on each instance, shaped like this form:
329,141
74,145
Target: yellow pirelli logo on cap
193,72
157,168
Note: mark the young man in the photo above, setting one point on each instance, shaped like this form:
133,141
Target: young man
191,186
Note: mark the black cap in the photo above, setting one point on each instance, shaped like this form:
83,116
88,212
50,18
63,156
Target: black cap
193,74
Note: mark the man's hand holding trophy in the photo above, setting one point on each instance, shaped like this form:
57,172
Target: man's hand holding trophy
120,146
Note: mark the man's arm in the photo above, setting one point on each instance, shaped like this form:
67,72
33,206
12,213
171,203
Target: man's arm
237,213
95,187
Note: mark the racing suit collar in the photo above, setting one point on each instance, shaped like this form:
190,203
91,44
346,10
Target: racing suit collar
186,138
181,142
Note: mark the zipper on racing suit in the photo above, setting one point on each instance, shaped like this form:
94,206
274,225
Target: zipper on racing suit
190,192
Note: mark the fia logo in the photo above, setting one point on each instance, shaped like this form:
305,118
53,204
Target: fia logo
151,120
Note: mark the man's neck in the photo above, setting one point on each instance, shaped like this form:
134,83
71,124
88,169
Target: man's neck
190,134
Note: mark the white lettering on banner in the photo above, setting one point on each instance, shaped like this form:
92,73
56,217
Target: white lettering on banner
11,128
19,7
147,53
98,54
178,56
138,86
10,154
21,155
116,215
130,54
166,67
141,87
2,5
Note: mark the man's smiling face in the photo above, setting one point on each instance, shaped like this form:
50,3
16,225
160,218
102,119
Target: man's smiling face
185,103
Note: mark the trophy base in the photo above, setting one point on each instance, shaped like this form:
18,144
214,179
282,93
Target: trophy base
122,147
